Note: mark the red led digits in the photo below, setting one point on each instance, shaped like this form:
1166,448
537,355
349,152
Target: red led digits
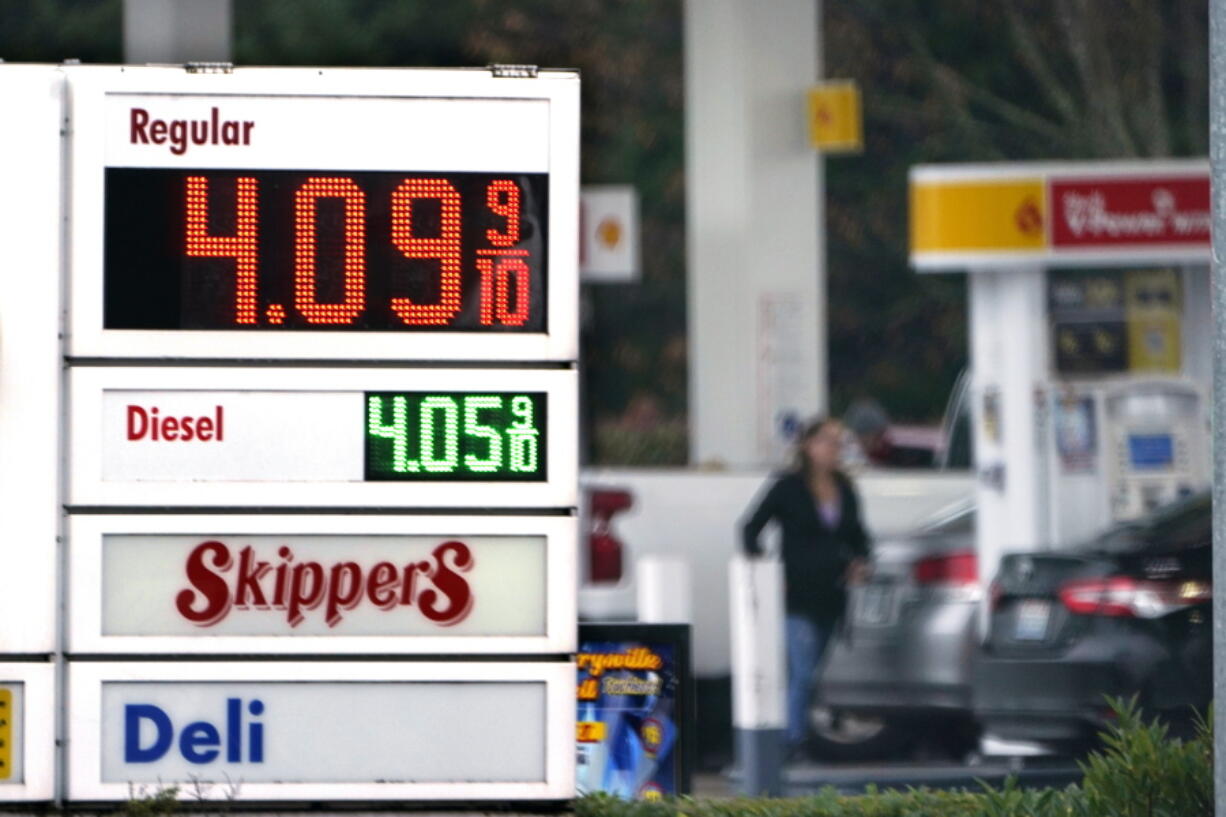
496,297
243,246
502,197
445,247
306,250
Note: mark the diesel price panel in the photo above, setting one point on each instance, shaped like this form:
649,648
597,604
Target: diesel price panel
325,250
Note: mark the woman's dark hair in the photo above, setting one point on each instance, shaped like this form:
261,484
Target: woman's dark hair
801,462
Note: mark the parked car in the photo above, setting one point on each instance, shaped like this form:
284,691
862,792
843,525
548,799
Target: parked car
1127,613
901,660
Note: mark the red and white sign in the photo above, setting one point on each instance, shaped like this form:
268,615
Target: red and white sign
1118,212
285,437
352,584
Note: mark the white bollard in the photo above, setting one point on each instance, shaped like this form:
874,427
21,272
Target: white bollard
663,590
759,698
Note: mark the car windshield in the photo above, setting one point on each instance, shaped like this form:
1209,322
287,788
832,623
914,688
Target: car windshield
953,519
1183,523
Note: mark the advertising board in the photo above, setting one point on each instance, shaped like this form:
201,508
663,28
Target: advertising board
635,725
308,584
27,731
993,216
323,438
312,731
325,214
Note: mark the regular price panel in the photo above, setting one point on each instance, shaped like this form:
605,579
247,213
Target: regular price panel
323,215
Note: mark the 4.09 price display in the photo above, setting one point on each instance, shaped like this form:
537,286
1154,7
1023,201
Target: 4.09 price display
325,250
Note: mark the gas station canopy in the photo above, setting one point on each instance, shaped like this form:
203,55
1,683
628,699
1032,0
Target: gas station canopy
977,217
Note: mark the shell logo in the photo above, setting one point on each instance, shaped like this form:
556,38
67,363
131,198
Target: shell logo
609,233
1028,217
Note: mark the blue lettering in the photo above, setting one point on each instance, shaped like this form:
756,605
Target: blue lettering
234,730
133,715
257,732
200,741
200,734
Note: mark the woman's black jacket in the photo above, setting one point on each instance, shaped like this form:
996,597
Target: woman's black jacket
815,557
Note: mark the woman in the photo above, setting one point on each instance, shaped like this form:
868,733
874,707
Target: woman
824,546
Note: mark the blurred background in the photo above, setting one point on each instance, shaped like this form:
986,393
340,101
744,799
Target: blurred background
990,560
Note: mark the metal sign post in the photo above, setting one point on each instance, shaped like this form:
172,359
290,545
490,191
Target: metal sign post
1217,163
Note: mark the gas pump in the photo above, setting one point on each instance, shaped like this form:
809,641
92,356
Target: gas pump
1090,337
1158,443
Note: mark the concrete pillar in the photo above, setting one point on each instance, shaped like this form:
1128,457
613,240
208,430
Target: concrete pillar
1009,410
175,31
755,228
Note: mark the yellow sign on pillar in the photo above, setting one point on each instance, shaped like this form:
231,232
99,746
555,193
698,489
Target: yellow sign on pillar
6,733
835,120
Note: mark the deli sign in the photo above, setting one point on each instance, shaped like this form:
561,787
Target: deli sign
289,584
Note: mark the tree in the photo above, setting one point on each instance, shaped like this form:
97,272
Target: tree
967,81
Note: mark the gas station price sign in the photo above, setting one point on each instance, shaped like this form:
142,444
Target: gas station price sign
323,215
456,436
325,250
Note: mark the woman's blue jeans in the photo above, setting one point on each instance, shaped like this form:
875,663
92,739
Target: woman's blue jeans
805,641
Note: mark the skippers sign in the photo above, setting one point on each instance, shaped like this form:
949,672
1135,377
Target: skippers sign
344,583
981,216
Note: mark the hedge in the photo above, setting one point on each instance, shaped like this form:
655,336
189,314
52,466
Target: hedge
1140,771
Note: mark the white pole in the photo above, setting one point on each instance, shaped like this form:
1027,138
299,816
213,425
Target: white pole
663,590
759,709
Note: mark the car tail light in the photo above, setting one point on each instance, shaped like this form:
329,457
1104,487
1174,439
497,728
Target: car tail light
948,570
604,548
1126,597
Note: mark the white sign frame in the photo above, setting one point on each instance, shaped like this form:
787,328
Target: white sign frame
38,731
31,374
84,759
477,93
86,589
87,488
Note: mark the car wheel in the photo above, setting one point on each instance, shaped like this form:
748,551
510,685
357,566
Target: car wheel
840,735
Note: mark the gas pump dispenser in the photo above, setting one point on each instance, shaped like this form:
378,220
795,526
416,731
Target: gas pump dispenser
1090,338
1158,445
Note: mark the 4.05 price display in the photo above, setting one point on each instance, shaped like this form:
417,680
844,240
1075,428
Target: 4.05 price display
460,436
325,250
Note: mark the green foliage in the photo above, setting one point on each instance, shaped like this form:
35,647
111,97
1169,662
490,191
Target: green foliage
56,30
150,802
658,444
1143,772
1140,772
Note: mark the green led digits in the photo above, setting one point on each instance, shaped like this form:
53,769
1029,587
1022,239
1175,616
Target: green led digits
455,436
492,462
523,436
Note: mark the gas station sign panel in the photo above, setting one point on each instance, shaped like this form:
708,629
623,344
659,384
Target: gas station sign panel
266,215
270,584
27,735
309,731
323,437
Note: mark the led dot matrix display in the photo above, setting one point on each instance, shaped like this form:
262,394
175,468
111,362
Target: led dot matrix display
290,250
456,436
